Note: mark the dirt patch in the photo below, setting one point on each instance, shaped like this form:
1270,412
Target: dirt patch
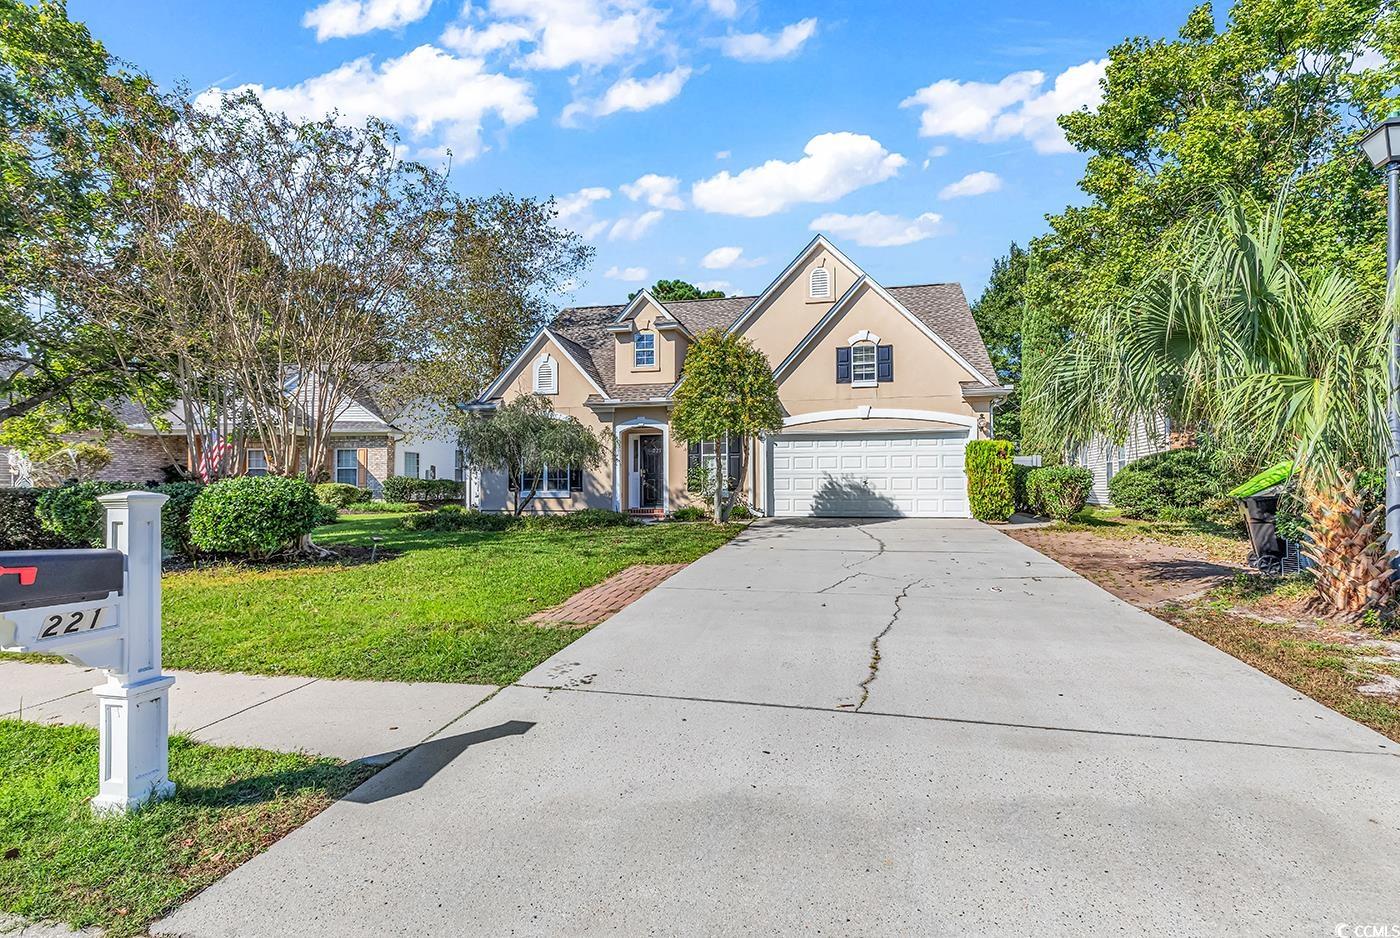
1143,572
593,605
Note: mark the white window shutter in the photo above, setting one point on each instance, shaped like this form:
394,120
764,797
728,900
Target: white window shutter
546,376
819,283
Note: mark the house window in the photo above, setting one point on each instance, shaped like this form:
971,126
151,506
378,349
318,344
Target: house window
819,284
257,462
410,465
546,376
554,482
731,453
347,467
644,350
863,364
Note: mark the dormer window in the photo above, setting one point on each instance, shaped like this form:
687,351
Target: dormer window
546,376
819,283
644,350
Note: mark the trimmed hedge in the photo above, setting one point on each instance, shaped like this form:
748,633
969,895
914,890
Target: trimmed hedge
1059,492
20,527
341,495
457,518
689,513
72,515
990,489
253,516
1176,479
1019,493
409,489
581,520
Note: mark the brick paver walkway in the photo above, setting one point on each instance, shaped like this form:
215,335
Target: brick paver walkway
597,603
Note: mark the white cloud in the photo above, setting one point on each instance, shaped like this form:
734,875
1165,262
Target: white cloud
427,91
935,153
877,230
725,8
469,40
723,258
757,47
1017,106
336,19
978,183
724,286
835,164
629,94
657,191
563,33
722,154
575,211
626,274
630,229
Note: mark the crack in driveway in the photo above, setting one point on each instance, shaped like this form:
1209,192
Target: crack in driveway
875,643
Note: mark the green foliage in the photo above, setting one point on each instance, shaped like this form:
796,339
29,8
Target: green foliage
253,516
388,508
175,514
20,528
326,514
999,314
1177,479
584,519
740,512
689,513
1020,475
340,494
73,513
526,433
457,518
409,489
1059,492
668,290
990,491
726,389
58,461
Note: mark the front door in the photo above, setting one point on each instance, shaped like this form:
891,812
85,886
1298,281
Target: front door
649,465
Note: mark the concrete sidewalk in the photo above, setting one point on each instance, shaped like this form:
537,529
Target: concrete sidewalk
369,720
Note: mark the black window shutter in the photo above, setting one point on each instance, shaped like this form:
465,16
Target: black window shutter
884,363
735,453
692,456
575,478
843,366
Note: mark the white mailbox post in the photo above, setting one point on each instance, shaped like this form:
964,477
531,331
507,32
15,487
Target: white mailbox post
76,612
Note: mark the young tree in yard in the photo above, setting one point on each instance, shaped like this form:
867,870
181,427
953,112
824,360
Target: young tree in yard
726,389
63,100
523,437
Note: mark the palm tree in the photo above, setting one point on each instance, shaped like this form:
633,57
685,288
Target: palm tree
1228,335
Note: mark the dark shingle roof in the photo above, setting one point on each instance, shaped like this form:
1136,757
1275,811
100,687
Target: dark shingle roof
940,306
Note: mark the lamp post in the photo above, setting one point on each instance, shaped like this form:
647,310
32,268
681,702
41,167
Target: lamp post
1382,146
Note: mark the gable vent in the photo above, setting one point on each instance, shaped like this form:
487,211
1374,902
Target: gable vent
819,284
546,376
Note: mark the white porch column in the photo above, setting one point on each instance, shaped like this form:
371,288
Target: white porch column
617,468
134,704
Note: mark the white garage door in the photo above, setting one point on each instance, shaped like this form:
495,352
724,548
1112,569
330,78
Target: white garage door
868,475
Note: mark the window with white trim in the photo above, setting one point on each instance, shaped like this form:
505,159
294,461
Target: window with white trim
410,465
819,283
554,482
703,455
863,370
546,376
347,466
257,462
644,350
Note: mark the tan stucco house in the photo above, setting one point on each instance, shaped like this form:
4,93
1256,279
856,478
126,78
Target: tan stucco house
881,390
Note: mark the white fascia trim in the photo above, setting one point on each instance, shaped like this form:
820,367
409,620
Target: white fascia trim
820,327
761,300
542,334
893,413
997,391
673,325
630,310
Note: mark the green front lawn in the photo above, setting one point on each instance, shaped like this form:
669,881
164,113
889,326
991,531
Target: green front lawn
60,862
446,607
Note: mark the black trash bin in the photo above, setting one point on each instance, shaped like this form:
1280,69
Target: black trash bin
1267,549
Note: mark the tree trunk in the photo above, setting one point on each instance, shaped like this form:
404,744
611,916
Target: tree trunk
721,488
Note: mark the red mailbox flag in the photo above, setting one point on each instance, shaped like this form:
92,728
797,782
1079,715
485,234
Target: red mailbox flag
26,574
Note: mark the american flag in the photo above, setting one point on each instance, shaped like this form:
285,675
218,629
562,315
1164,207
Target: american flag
213,458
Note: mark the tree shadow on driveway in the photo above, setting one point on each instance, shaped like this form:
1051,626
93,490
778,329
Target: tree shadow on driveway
427,759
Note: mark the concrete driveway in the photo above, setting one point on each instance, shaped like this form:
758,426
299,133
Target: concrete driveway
907,727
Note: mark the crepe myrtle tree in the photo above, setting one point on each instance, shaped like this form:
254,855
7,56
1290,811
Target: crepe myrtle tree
525,435
727,389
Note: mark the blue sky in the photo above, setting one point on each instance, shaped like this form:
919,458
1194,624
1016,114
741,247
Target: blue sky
700,139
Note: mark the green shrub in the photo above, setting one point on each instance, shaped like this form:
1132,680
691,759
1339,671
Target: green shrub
20,528
340,495
175,515
989,480
326,514
689,513
457,518
1059,492
740,511
1019,496
1177,478
373,508
253,516
73,513
581,520
409,489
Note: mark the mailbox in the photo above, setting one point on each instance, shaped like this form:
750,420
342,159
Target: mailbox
30,578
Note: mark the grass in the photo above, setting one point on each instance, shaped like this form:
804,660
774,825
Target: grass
444,607
60,862
1216,542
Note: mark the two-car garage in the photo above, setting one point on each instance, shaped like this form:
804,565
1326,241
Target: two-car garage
875,474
